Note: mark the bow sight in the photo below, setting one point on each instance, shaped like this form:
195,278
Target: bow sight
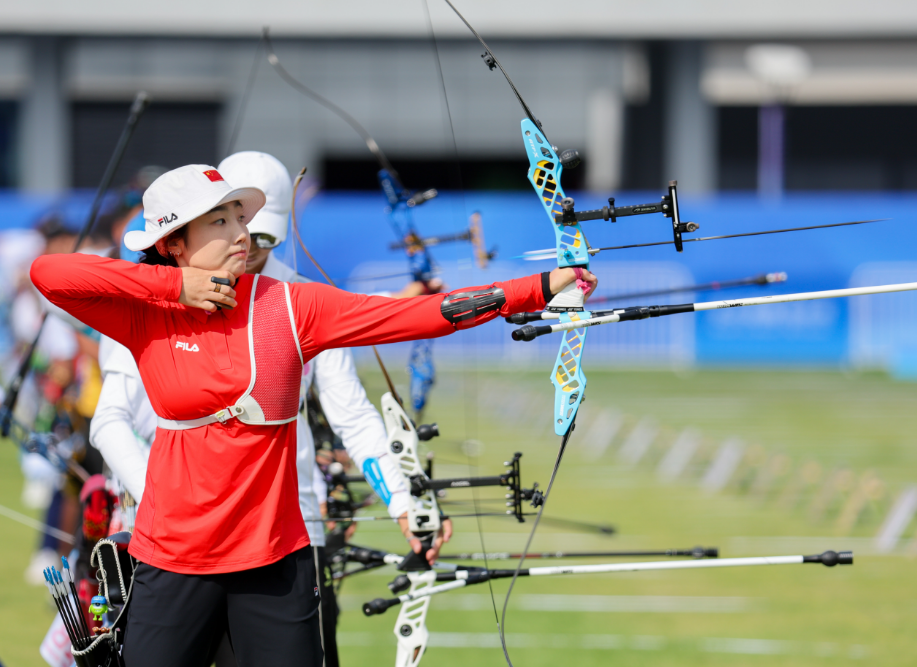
511,479
668,206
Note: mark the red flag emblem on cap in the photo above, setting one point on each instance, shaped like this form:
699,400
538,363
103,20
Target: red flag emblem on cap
213,175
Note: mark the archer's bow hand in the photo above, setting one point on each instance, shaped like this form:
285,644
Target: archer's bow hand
443,535
560,278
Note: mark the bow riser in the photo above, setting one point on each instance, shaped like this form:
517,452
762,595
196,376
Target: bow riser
545,170
423,511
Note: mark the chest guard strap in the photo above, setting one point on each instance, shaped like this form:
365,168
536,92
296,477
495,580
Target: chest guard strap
272,396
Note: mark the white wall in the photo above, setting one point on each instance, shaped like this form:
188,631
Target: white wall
406,18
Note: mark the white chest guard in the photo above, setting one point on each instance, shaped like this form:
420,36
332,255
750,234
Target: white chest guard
272,396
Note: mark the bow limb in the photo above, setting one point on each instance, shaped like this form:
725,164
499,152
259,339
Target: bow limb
545,169
411,624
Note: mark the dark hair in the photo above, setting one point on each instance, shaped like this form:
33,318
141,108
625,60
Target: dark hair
151,255
53,226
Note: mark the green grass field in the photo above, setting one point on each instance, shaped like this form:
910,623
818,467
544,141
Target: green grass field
813,440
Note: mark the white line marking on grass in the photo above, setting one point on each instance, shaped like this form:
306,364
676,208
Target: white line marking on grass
602,432
897,520
748,646
679,455
726,645
800,545
727,459
665,604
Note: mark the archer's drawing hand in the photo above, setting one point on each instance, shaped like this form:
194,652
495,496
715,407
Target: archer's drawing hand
560,278
442,536
197,291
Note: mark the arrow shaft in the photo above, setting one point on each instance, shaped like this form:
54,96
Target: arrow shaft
595,251
639,313
763,279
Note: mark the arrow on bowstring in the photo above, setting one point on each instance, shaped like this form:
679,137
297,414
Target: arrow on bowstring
547,253
530,332
762,279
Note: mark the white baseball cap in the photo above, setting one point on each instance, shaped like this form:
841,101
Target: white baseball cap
267,173
181,195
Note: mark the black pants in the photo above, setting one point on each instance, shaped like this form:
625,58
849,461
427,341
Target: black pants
271,612
224,655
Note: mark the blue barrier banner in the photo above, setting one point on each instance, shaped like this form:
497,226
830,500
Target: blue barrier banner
348,232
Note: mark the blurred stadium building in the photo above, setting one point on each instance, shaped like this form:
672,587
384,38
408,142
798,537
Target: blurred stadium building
667,84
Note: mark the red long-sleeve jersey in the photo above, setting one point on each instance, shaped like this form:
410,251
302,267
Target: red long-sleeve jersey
223,497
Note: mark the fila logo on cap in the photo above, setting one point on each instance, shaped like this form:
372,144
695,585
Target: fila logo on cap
213,175
184,346
166,219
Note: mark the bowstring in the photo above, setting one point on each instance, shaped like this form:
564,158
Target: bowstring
328,104
295,225
469,382
528,544
525,107
566,437
243,107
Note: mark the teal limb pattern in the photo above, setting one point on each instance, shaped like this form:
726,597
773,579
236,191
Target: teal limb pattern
544,173
567,375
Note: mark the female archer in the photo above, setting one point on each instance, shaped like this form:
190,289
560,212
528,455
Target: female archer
219,535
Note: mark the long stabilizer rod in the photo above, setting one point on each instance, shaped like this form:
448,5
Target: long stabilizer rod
463,578
530,332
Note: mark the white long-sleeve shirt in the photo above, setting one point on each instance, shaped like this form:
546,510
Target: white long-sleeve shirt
124,410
